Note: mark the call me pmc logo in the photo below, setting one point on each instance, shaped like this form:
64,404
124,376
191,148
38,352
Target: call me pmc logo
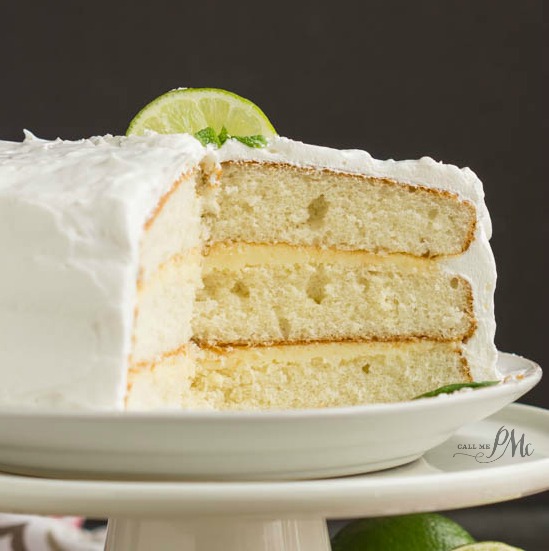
505,442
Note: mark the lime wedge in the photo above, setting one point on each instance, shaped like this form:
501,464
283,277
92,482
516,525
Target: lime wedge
487,546
191,110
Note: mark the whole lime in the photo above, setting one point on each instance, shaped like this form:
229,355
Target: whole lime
420,532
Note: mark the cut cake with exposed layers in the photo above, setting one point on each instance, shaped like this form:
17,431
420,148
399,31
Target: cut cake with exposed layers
150,272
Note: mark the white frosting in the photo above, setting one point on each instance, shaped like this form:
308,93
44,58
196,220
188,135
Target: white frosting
477,264
71,221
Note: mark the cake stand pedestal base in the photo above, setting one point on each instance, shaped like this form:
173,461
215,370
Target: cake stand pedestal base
218,534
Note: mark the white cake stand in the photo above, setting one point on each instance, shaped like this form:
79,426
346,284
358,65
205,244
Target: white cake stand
290,516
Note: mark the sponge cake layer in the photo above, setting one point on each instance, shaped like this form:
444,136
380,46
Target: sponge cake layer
298,376
259,293
281,203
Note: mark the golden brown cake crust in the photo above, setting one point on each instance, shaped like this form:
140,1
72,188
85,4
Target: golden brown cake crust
164,199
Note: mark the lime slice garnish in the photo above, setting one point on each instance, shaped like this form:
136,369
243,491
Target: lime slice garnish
488,546
194,110
448,389
418,532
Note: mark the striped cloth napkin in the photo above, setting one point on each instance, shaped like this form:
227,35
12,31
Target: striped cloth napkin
34,533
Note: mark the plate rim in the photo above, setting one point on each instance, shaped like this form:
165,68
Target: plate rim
516,408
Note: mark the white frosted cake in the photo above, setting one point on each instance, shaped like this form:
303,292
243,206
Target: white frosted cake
149,272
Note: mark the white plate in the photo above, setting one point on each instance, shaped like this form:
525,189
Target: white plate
247,445
440,480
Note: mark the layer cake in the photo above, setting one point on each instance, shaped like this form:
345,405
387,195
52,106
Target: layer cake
149,272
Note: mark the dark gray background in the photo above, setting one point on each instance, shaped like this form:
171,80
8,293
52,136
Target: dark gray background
459,80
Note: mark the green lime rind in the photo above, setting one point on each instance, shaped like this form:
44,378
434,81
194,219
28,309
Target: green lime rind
448,389
488,546
402,533
192,110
